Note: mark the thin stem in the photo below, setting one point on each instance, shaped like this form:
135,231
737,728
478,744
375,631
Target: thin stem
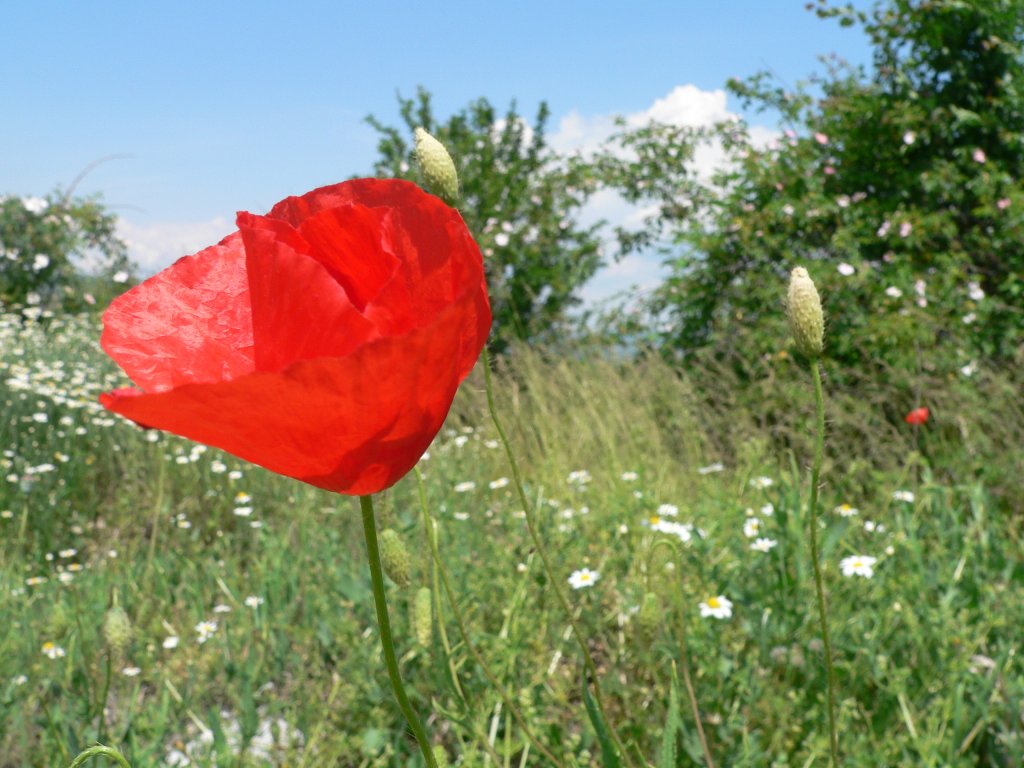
386,641
684,655
538,543
457,613
819,444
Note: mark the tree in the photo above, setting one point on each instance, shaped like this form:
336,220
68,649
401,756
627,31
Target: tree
520,202
54,250
899,188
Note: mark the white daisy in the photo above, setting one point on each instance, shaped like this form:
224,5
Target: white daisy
719,607
751,527
583,578
845,510
763,545
858,565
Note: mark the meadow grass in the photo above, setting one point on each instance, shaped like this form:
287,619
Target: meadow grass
253,636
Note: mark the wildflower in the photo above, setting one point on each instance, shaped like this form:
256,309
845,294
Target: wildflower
1003,203
253,601
668,510
893,292
917,416
975,292
719,607
221,608
578,477
219,342
858,565
630,477
53,651
872,527
205,630
716,467
907,496
768,510
821,138
501,482
243,511
906,228
909,138
883,230
845,269
131,671
583,578
970,369
845,510
979,156
751,527
763,545
464,487
170,642
761,482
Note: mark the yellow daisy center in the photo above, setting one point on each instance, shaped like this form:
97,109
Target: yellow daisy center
713,603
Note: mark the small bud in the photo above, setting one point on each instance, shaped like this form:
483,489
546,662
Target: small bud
423,617
395,557
805,316
117,630
438,168
649,618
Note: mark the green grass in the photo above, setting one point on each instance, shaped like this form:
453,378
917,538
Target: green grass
927,650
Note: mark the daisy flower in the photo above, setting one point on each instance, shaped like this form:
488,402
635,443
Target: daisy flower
719,607
846,510
53,651
763,545
858,565
751,527
583,578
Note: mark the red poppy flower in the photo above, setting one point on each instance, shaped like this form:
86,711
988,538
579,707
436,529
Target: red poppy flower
917,416
323,341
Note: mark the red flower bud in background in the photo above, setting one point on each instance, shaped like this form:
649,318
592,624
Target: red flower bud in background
917,416
324,341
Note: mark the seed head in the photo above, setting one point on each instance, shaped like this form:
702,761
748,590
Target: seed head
806,319
438,167
394,557
117,630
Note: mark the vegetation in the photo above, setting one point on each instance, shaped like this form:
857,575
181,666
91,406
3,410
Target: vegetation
252,625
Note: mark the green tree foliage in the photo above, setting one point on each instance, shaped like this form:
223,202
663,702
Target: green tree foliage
520,202
898,187
54,251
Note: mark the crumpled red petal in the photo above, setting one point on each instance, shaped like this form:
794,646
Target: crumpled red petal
190,323
324,341
353,424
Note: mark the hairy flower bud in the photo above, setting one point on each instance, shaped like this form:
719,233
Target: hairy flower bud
805,316
117,630
438,167
423,617
394,557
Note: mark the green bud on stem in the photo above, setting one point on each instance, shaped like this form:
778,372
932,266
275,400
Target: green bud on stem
438,167
806,319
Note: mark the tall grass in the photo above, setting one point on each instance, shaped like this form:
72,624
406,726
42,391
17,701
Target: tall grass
927,650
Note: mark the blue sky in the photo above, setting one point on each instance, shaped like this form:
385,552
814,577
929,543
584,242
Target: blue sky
231,106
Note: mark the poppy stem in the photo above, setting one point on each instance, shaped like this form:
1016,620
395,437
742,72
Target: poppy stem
819,444
386,640
553,580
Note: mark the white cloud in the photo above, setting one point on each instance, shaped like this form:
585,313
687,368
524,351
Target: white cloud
684,106
155,245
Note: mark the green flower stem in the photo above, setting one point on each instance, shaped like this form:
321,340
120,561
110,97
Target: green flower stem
538,543
819,444
97,751
386,641
457,613
684,654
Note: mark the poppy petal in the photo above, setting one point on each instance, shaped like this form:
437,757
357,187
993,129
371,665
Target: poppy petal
299,311
353,424
190,323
